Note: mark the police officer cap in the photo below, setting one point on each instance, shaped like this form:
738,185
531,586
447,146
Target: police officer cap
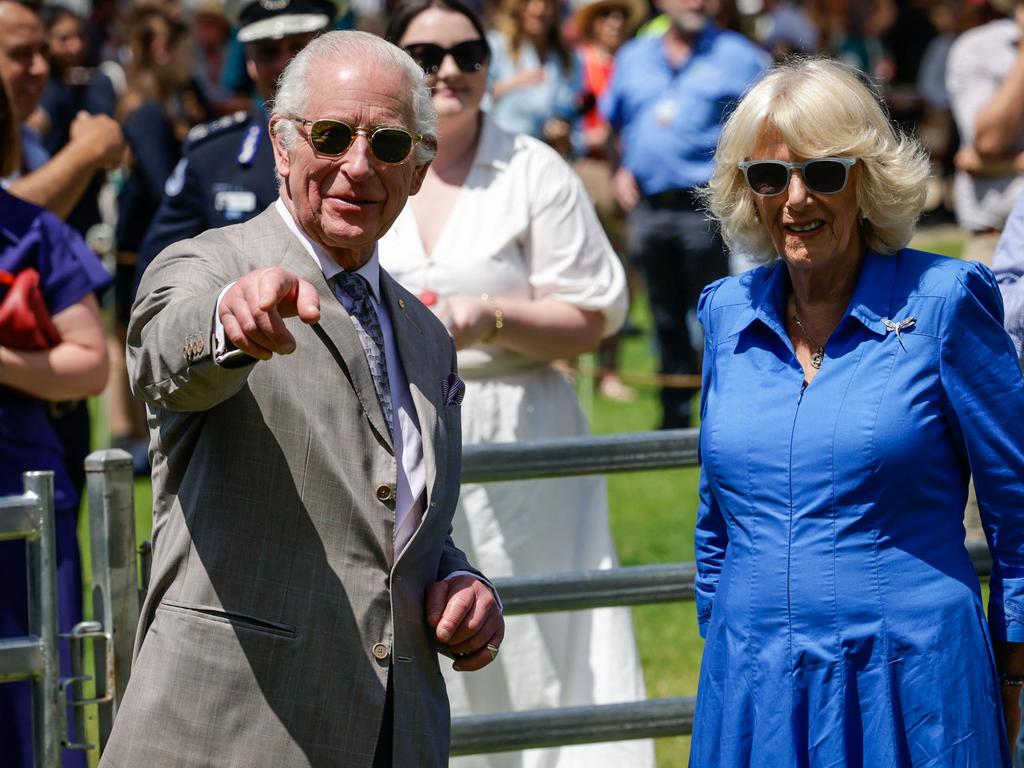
274,19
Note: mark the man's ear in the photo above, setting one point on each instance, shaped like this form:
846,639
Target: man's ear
250,69
281,158
418,175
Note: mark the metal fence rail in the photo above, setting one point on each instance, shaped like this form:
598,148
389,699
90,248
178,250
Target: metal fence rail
110,500
569,456
592,589
34,657
572,725
578,590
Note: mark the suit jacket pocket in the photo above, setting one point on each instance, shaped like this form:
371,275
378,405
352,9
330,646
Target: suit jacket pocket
236,620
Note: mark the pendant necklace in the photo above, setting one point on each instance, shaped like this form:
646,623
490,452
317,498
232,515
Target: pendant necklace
818,356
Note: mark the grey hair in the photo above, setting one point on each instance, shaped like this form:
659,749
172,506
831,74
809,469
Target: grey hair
348,46
820,108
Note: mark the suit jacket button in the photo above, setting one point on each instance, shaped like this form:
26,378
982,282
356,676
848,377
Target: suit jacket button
380,651
384,493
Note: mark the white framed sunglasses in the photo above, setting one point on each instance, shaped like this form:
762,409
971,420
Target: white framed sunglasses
824,175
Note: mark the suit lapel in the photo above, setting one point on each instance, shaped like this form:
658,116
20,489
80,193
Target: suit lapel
336,332
419,354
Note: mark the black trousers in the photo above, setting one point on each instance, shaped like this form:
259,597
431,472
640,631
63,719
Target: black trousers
678,251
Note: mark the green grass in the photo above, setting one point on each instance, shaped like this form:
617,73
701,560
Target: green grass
652,517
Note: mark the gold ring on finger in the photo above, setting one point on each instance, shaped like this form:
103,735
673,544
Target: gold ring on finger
493,650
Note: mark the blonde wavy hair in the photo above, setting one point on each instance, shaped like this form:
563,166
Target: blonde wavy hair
821,108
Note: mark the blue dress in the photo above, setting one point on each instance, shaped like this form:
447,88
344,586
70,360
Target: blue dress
68,271
842,615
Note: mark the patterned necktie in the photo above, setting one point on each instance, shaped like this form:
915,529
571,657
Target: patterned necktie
367,324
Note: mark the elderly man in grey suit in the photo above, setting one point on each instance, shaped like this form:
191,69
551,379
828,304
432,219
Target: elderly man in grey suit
306,445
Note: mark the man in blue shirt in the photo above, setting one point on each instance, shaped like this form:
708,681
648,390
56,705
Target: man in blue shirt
666,103
1008,264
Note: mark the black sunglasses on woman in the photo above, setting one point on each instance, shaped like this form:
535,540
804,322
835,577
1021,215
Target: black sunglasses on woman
470,56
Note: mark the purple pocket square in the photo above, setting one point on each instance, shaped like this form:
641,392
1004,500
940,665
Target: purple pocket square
453,389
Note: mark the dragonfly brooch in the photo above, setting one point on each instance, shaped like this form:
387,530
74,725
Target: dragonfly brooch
898,327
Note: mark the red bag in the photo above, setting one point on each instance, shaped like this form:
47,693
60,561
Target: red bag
24,319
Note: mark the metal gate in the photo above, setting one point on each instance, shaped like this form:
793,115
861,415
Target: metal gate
34,656
115,585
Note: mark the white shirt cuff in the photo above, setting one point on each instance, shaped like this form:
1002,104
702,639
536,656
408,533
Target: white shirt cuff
223,356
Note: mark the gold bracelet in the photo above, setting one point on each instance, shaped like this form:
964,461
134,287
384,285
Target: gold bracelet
499,317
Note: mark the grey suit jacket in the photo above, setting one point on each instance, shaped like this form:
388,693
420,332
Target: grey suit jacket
276,605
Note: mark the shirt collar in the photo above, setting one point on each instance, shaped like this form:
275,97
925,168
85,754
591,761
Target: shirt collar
766,297
491,149
704,41
872,297
869,304
370,271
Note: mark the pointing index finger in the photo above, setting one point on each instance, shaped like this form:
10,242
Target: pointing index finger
307,302
276,286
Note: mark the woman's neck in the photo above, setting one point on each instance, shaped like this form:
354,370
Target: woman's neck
459,139
824,294
540,44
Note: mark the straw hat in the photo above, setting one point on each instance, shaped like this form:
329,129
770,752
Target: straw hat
585,10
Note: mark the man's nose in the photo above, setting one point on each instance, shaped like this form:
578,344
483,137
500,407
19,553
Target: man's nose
40,67
358,158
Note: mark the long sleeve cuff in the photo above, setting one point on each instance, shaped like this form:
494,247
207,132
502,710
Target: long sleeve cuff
226,354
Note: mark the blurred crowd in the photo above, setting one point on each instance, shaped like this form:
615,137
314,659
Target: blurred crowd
111,95
136,125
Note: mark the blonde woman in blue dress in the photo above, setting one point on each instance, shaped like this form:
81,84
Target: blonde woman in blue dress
851,387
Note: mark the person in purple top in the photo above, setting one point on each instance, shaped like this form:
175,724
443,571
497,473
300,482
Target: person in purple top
32,383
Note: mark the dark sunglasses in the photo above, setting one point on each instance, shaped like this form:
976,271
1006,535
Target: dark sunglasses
391,146
825,175
469,56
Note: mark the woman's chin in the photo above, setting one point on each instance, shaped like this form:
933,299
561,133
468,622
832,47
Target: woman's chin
454,110
801,257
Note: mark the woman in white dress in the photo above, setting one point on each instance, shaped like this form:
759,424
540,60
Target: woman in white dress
503,243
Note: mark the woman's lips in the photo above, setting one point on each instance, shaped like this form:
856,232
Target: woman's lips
448,91
804,229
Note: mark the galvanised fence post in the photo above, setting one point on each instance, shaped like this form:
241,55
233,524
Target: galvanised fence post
115,577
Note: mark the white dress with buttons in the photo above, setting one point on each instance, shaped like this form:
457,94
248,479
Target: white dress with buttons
523,227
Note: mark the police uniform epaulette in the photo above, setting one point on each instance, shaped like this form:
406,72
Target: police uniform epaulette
201,133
